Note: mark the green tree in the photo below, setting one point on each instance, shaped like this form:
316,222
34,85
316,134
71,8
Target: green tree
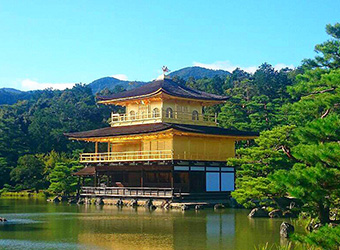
29,173
317,94
316,112
328,52
61,179
5,170
326,237
255,100
316,180
255,164
70,110
36,125
13,131
314,150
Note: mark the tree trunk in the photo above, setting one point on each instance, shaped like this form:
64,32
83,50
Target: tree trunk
323,213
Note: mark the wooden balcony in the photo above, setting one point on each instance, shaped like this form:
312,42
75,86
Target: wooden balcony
154,155
133,192
126,156
163,116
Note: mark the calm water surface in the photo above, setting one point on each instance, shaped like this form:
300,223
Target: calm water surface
36,224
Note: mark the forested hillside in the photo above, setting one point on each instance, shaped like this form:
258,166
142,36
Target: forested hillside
11,96
112,84
198,73
297,154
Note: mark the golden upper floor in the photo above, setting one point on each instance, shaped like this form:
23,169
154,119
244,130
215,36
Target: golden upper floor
168,145
163,101
163,110
160,142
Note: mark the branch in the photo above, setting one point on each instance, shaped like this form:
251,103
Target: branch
325,114
322,91
287,152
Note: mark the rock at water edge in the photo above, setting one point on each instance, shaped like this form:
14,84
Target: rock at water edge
286,229
258,213
219,206
277,213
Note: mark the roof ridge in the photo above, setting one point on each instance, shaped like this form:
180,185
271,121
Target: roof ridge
167,85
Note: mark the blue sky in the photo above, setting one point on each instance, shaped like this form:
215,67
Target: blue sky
64,42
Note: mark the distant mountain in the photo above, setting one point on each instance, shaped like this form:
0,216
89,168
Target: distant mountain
110,83
11,90
198,73
11,96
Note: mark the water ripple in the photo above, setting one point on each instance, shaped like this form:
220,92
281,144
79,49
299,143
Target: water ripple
26,244
19,221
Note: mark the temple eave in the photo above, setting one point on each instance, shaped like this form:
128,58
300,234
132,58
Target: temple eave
109,133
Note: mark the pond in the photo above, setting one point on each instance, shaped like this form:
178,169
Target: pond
37,224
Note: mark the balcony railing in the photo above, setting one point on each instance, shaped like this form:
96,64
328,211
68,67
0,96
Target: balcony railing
141,192
127,156
163,116
152,155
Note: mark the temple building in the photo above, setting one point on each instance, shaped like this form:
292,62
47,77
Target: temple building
162,146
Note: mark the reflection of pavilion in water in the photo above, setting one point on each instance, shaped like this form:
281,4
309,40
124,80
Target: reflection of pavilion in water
159,230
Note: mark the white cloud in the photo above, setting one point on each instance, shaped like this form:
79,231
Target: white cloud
250,69
224,65
121,77
28,84
228,66
282,66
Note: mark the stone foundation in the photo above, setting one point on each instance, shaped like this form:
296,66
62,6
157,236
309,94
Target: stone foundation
155,203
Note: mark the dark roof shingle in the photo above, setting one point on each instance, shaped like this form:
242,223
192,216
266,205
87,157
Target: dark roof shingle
168,86
88,171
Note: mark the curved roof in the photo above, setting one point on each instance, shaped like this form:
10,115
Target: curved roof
157,127
167,86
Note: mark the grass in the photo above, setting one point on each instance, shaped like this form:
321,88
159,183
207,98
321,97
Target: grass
289,246
303,220
275,247
21,194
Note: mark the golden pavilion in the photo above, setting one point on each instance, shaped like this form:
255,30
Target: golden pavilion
162,146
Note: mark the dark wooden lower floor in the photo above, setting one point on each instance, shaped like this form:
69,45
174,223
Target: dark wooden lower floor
164,181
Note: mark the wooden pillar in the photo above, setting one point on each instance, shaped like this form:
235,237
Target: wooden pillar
189,179
95,179
142,178
172,178
108,147
96,147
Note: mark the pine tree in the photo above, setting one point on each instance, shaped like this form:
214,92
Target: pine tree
255,164
316,180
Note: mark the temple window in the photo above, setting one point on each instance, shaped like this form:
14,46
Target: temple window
169,113
195,115
132,115
155,113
